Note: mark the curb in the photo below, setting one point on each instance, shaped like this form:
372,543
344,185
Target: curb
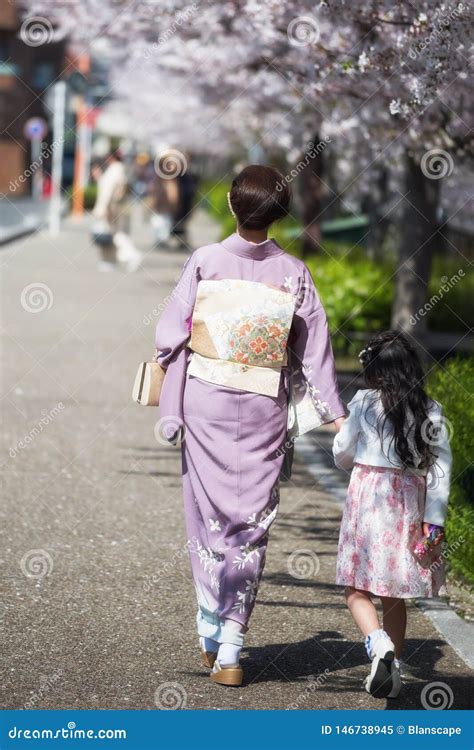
35,219
20,230
314,450
455,631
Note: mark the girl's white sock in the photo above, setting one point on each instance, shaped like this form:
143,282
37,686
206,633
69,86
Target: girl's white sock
228,653
372,638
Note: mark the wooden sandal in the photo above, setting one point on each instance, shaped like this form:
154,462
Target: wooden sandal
208,658
230,675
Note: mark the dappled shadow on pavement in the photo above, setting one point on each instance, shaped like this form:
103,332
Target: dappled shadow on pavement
328,662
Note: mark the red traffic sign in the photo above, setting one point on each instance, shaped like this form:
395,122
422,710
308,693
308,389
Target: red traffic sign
35,129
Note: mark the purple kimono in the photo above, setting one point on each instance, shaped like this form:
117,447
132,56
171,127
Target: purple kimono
243,326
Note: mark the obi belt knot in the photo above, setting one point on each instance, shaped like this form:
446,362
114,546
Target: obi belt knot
239,334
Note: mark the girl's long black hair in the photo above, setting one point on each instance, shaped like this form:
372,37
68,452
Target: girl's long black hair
393,368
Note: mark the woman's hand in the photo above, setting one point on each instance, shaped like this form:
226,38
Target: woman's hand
426,532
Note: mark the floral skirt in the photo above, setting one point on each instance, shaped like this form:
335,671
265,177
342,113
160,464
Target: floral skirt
381,523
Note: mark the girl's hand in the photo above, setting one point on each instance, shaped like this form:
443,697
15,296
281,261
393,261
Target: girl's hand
426,532
338,423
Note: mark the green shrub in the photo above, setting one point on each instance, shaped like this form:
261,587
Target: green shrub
452,385
215,200
357,296
90,195
287,233
454,310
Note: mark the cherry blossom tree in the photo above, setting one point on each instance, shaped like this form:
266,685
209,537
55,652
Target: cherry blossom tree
384,85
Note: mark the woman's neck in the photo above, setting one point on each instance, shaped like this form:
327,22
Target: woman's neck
253,235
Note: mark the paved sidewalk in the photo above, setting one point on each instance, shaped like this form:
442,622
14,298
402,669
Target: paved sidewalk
98,607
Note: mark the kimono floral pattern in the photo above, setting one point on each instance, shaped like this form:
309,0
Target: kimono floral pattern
258,341
208,559
253,340
381,524
265,518
322,407
249,553
246,598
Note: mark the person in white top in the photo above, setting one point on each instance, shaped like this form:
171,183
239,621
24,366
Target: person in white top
396,445
111,209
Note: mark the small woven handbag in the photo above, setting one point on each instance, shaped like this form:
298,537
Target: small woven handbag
148,383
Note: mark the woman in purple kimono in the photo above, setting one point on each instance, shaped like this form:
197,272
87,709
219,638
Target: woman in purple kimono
245,343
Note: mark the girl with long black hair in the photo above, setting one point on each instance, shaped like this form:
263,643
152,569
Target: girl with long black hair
395,440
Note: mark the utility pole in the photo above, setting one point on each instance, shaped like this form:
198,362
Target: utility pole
82,139
59,108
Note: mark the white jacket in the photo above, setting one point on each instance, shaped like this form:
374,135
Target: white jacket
111,190
359,442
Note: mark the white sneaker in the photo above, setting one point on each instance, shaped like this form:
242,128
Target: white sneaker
396,681
380,681
133,265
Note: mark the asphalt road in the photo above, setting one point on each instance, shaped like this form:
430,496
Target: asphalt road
97,603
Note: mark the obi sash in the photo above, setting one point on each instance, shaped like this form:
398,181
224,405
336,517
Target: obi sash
240,333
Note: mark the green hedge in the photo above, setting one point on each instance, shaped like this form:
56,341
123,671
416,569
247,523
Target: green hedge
215,200
356,295
90,195
452,385
453,312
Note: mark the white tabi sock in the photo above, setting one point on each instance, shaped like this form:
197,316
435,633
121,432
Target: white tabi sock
228,654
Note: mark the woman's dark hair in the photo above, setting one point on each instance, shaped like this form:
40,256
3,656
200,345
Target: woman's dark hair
259,196
393,368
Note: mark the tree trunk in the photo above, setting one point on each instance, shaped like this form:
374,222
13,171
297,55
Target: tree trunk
311,196
375,205
418,239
